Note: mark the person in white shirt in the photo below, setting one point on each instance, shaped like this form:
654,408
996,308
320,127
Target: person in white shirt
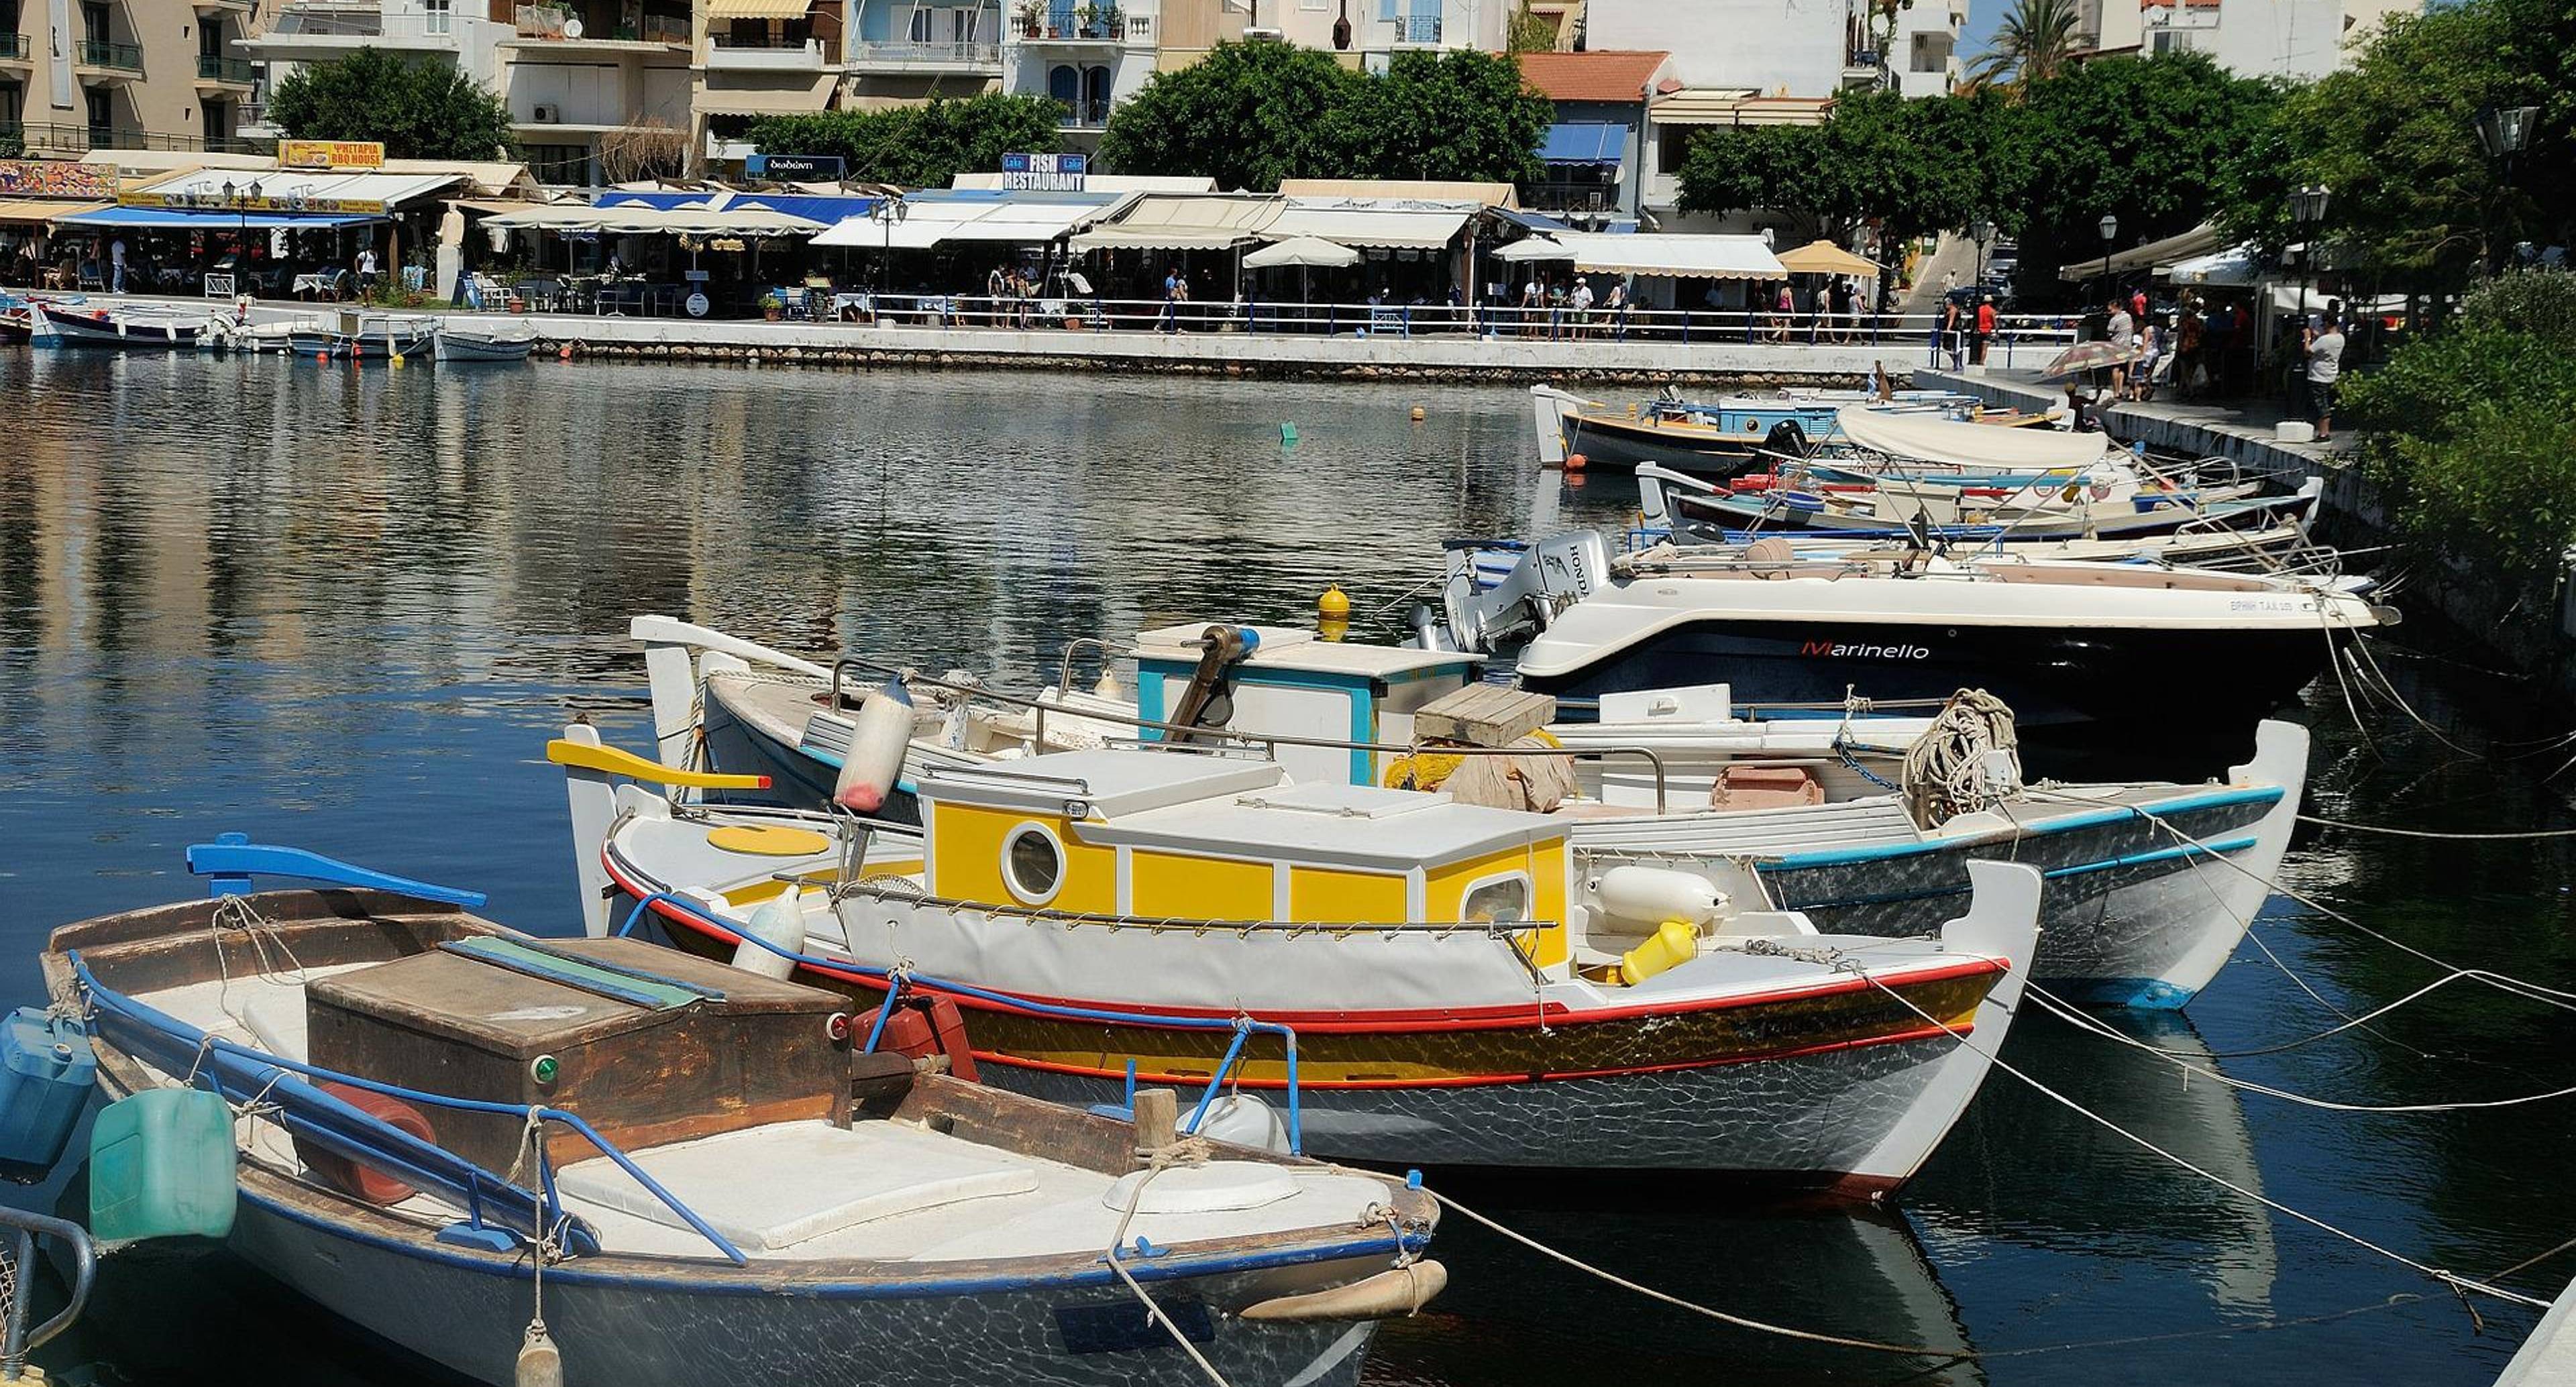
2325,367
1581,302
116,265
366,270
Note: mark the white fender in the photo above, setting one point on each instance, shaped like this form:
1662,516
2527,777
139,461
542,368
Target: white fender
879,737
781,921
1651,895
592,796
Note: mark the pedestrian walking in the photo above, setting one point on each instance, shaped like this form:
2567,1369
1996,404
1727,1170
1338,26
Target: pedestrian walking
1985,328
2325,367
2121,331
366,271
1954,332
1784,306
1580,301
116,265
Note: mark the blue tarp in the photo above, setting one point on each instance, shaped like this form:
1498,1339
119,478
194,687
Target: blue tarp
818,207
173,219
1584,142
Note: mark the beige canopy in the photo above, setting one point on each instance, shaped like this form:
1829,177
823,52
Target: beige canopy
1972,447
1826,258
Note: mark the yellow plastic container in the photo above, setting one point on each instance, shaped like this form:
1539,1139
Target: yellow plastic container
1672,945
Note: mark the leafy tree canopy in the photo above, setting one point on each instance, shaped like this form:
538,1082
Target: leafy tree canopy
2033,43
420,109
918,146
1251,114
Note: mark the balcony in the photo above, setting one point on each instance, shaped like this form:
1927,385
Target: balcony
1082,115
544,25
726,53
114,61
214,70
1417,30
13,49
961,56
1068,29
318,30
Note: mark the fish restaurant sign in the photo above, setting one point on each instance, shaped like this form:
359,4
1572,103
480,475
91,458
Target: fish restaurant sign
1046,173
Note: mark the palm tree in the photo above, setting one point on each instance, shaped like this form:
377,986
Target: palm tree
2034,43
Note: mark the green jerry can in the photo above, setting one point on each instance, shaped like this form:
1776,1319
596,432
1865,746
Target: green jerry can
161,1166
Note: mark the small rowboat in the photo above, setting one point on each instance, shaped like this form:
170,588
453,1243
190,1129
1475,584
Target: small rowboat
376,342
728,1189
471,344
57,325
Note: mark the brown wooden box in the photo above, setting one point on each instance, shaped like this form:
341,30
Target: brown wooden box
642,1075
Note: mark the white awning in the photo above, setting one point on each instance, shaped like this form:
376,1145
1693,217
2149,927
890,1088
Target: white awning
756,9
2200,240
1406,228
283,190
924,225
1162,221
2234,267
1678,256
1975,447
935,222
1301,250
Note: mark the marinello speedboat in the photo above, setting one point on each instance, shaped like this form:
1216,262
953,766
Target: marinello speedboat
2108,650
2150,883
1413,978
699,1167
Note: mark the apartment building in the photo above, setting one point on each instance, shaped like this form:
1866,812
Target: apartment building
905,52
2296,39
758,58
1790,48
121,74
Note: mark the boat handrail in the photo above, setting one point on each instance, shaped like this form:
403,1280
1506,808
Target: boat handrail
1241,1023
1064,671
1273,740
25,1227
398,1149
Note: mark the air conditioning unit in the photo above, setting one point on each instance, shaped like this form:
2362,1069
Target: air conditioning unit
548,113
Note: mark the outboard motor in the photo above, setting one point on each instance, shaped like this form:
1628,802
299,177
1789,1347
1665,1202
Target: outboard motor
1789,438
1553,575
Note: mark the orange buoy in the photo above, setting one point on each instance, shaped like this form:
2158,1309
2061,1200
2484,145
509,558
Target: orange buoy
1575,462
325,358
364,1182
564,352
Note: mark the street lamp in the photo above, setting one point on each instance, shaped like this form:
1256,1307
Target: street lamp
2502,133
887,212
1981,231
2307,209
2110,227
241,200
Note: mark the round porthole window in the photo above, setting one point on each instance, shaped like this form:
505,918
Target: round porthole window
1032,864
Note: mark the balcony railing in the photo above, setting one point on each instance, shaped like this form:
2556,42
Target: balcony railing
117,57
435,27
1082,115
959,54
213,67
13,48
1073,28
1417,28
762,53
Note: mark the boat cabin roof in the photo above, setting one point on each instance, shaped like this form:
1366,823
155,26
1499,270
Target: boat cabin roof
1296,648
1337,825
1110,782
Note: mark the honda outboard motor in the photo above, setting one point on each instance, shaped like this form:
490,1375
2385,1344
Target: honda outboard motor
1787,437
1553,575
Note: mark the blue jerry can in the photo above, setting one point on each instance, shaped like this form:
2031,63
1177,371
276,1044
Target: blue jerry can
46,1071
161,1166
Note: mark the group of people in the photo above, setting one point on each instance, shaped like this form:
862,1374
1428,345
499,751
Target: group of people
118,267
1569,307
1835,307
1966,331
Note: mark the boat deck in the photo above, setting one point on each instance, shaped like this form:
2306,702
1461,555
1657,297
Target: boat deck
876,1191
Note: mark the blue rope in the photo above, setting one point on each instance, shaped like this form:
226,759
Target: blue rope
1843,750
1288,1034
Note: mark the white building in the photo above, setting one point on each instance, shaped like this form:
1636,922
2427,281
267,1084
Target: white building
1794,48
2298,39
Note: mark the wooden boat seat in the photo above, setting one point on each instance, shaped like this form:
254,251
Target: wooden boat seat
776,1186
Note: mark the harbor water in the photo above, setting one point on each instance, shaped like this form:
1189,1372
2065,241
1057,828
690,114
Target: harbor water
344,610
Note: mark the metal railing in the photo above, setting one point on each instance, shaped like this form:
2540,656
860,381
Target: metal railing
213,67
16,1339
13,46
300,21
1417,28
966,52
119,57
767,43
1064,27
1082,115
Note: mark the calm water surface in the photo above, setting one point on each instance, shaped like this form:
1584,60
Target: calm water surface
345,611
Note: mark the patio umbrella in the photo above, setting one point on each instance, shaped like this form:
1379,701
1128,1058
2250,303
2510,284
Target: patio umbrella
1826,258
1302,251
2083,356
1535,248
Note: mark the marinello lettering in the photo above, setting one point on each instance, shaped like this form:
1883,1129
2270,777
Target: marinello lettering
1836,650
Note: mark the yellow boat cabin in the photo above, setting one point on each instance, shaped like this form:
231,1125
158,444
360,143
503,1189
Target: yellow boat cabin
1167,834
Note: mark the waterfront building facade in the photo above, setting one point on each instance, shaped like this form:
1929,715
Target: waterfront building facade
2295,39
1777,48
122,74
1594,152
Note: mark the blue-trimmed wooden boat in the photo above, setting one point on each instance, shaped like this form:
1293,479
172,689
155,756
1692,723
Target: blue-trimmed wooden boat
809,1213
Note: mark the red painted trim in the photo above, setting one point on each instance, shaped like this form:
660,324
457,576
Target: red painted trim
1407,1022
1471,1080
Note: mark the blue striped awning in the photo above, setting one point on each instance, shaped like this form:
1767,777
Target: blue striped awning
1584,142
175,219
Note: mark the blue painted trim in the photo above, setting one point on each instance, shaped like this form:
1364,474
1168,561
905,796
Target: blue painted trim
232,859
1363,730
2143,859
1881,852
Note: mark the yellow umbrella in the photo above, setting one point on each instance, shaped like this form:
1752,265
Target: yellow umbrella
1826,258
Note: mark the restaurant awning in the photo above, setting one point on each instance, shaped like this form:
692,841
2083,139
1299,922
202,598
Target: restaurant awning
768,101
578,219
1301,251
320,192
756,9
1380,227
1677,256
2200,240
1584,142
930,222
1213,221
171,219
32,211
2233,268
1737,106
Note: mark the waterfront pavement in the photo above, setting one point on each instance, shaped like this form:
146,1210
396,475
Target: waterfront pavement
2241,429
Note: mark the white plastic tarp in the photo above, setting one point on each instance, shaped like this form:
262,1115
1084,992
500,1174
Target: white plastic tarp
1381,228
1677,256
924,224
1971,447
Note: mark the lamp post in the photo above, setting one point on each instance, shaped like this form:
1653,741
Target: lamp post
2502,133
1981,231
887,212
2307,210
2110,228
241,200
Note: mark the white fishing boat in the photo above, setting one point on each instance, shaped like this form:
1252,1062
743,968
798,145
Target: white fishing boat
128,327
2151,884
507,342
1405,973
600,1161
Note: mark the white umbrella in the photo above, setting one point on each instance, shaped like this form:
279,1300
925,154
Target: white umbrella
1535,248
1302,250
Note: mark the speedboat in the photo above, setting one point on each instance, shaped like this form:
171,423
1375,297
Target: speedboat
610,1162
1405,976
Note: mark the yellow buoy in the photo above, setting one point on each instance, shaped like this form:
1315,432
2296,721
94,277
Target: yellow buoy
1333,605
1418,415
1671,945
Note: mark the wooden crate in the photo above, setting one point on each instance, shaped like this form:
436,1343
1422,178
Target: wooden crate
642,1070
1484,715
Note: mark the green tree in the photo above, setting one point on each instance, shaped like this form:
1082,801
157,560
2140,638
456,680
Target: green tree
918,146
1462,115
1247,115
1529,33
2470,435
419,109
2034,42
1911,166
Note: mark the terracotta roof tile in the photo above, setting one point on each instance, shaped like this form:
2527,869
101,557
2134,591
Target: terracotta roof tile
1607,76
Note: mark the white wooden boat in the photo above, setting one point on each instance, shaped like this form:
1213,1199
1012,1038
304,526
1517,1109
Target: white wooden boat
820,1216
126,328
1415,978
460,343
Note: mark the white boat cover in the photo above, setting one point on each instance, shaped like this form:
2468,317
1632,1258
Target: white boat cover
1971,447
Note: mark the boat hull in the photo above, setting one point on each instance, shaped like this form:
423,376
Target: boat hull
467,347
63,330
1620,445
1714,518
467,1312
360,346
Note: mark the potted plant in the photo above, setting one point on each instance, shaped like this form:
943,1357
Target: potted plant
1028,13
1087,17
1111,20
773,305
